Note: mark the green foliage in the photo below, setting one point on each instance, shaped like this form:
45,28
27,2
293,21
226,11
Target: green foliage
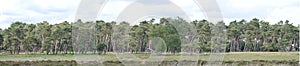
174,35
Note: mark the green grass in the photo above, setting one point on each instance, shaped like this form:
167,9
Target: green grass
236,56
280,56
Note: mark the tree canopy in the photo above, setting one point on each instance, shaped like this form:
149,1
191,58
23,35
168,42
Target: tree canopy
169,35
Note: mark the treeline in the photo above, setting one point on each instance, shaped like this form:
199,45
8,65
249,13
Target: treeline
101,37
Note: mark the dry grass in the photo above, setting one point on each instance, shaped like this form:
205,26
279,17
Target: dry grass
235,56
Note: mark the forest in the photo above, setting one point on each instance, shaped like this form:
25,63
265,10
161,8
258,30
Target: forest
100,37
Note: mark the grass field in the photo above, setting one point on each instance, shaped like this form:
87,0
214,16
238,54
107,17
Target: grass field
235,56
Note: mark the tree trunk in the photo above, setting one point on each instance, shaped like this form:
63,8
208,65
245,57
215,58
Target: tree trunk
55,46
42,44
238,44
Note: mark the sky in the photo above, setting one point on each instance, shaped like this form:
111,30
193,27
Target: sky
56,11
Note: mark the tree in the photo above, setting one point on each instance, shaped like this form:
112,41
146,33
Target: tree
234,32
204,34
172,34
17,35
42,32
120,38
30,40
251,35
1,39
265,35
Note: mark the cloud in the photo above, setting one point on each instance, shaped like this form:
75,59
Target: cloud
56,11
34,11
2,23
138,10
130,10
268,10
285,13
172,8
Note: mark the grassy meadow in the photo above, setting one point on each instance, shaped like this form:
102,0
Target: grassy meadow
233,56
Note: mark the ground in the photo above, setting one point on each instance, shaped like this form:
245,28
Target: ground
233,56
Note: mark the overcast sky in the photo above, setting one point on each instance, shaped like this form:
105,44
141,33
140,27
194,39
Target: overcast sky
56,11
